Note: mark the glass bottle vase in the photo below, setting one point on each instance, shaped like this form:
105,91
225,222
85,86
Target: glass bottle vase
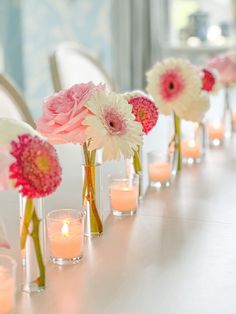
32,243
92,199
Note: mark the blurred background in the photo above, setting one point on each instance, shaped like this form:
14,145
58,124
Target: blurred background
125,36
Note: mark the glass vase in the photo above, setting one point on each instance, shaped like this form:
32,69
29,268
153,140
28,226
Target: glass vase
227,115
175,146
32,243
135,166
92,199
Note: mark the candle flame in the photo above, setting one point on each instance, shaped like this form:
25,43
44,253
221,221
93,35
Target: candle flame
192,143
216,125
65,229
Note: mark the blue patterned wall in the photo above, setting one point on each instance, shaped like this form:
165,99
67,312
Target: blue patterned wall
49,22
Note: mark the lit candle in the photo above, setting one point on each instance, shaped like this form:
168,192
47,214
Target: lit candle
65,237
7,285
159,171
234,118
191,149
216,131
123,198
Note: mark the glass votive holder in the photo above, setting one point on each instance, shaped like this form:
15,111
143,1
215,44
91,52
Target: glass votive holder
7,284
65,235
159,170
234,120
216,133
124,195
191,151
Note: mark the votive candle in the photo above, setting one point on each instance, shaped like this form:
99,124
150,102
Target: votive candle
124,196
65,234
191,149
216,131
159,170
7,284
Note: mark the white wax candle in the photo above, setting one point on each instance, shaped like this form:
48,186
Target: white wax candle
191,149
66,238
123,198
159,171
7,291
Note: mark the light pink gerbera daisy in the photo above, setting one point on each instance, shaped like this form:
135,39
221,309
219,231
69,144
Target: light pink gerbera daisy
36,170
145,112
175,84
112,126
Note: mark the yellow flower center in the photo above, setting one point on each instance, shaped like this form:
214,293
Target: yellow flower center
42,163
141,114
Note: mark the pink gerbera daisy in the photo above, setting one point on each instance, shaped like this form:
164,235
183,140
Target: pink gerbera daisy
208,80
175,85
36,170
171,84
145,112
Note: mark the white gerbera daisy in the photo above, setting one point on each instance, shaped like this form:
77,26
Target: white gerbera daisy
173,83
195,110
10,129
111,126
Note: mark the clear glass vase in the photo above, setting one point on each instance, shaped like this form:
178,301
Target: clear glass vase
135,166
32,243
227,115
92,199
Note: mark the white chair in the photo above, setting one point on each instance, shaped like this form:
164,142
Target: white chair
71,64
12,104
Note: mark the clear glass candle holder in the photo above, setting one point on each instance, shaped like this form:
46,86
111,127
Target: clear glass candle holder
124,195
159,170
66,235
216,133
191,150
7,284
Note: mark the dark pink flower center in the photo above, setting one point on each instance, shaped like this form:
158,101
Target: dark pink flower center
171,84
115,122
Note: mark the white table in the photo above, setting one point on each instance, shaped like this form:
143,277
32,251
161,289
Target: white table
177,256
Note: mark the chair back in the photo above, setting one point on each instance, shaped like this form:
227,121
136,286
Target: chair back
71,64
12,104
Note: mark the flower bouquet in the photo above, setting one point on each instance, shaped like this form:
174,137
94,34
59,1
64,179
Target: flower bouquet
86,114
31,166
177,88
146,113
225,64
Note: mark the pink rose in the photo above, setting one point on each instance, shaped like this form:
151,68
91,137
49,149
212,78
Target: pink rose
64,113
225,64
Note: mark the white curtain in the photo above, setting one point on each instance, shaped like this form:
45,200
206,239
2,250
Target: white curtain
139,29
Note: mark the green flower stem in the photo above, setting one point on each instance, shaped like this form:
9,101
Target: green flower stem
38,251
30,215
177,123
136,161
29,209
89,191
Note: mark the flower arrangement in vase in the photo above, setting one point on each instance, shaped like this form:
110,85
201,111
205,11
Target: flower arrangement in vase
225,64
88,115
146,113
32,167
177,88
